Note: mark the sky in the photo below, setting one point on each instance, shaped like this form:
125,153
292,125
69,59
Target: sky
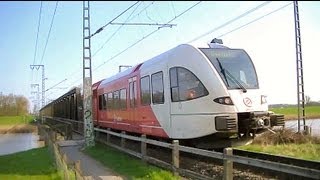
269,41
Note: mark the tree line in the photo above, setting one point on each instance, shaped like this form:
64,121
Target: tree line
13,105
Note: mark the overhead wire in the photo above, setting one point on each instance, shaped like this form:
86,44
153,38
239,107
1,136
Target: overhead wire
36,46
77,71
174,11
101,29
107,40
146,7
232,20
255,20
45,47
115,31
132,45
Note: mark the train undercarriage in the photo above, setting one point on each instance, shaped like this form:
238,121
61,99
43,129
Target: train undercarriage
249,125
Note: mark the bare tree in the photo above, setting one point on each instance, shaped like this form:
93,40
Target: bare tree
13,105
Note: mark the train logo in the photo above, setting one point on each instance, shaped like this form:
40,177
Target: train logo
247,101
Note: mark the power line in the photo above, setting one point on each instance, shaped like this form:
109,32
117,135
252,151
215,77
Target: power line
115,32
232,20
142,10
141,39
100,29
147,36
45,47
174,11
255,20
39,20
112,35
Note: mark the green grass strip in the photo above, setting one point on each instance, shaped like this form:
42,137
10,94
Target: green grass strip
32,164
12,120
307,151
292,112
126,165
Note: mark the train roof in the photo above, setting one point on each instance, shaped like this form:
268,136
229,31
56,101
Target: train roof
157,59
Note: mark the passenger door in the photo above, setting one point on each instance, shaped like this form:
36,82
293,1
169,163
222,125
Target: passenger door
132,99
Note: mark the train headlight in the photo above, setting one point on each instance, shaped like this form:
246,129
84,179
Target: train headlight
224,100
263,99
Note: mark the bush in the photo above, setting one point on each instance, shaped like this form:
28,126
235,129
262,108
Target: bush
285,136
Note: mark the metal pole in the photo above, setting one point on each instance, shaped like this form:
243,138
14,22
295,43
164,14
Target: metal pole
300,83
43,81
43,87
87,78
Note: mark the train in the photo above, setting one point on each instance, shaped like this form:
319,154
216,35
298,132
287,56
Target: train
208,97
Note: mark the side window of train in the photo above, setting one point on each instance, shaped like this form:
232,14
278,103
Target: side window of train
100,102
145,90
185,85
109,101
123,99
104,97
157,88
133,94
116,100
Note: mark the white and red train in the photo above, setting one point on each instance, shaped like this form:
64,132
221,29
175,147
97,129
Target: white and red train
207,95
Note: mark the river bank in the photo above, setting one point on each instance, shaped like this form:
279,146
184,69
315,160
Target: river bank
18,128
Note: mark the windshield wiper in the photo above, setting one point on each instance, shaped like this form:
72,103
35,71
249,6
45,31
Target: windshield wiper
223,71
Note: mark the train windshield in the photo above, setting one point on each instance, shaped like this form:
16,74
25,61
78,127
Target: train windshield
234,66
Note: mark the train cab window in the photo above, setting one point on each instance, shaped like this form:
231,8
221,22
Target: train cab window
157,88
133,94
123,99
116,100
109,101
185,85
145,90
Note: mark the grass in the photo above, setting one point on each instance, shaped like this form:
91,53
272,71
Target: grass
13,120
308,151
288,143
291,112
16,124
32,164
126,165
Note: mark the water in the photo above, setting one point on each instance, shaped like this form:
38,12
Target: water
12,143
313,123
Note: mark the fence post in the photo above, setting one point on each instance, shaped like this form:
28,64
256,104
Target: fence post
108,136
143,147
227,164
123,140
175,157
308,130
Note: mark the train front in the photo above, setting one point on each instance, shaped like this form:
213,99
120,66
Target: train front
238,73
